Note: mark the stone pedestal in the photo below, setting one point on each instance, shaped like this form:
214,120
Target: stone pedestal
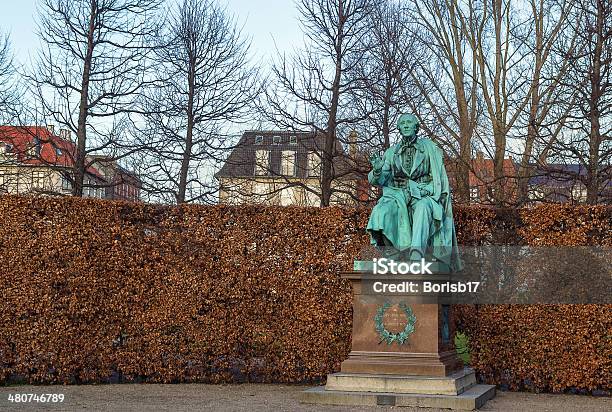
420,370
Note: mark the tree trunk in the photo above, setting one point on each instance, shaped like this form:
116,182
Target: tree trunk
462,170
592,186
499,177
184,172
525,169
330,132
79,161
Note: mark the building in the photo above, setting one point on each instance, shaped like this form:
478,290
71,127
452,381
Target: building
563,183
122,184
483,185
482,182
283,168
35,160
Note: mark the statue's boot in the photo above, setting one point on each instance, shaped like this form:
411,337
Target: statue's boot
416,254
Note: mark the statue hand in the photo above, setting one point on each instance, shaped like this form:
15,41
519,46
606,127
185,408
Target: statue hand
425,189
376,161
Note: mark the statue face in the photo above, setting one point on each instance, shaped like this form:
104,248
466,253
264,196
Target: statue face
408,125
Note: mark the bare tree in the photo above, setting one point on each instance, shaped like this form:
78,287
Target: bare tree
390,54
9,100
9,96
204,84
312,90
90,70
588,140
501,62
549,42
447,79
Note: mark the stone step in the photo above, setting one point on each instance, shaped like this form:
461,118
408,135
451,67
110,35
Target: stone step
454,384
473,398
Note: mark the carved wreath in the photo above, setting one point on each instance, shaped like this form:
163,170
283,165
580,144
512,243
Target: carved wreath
390,337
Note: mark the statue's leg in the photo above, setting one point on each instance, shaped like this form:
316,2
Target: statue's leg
389,251
422,215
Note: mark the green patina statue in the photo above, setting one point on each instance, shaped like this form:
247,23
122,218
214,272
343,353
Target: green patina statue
414,218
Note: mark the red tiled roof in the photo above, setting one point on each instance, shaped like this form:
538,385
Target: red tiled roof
482,170
54,151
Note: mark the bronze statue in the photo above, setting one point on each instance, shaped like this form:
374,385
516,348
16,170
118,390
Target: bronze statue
414,216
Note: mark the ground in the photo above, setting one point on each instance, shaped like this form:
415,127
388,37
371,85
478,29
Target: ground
253,397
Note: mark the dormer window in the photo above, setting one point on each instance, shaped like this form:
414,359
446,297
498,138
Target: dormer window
259,139
276,139
293,140
34,150
6,148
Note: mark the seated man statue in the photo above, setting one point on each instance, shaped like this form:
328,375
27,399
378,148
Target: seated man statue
413,219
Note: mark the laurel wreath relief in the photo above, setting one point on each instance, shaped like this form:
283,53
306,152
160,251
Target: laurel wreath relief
390,337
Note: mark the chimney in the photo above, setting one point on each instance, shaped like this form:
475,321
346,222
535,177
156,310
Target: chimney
353,144
64,134
51,129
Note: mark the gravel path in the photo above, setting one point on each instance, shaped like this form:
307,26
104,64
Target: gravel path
252,397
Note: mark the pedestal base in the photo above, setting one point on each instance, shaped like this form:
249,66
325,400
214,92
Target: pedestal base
456,391
454,384
473,398
402,354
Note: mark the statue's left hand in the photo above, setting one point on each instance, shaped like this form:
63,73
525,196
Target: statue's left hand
424,189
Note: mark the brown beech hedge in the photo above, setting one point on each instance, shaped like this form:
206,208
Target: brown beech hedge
98,291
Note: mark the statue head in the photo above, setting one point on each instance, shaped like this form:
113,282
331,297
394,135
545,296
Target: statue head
408,126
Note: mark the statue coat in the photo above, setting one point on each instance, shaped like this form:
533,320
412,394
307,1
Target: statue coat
415,211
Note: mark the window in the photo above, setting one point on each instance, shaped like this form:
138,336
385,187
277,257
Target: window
536,194
314,164
276,139
474,194
87,189
39,179
293,140
491,194
578,193
9,181
261,162
66,185
34,150
260,191
258,139
288,163
286,196
311,197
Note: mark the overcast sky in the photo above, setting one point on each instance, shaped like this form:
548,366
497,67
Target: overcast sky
266,22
